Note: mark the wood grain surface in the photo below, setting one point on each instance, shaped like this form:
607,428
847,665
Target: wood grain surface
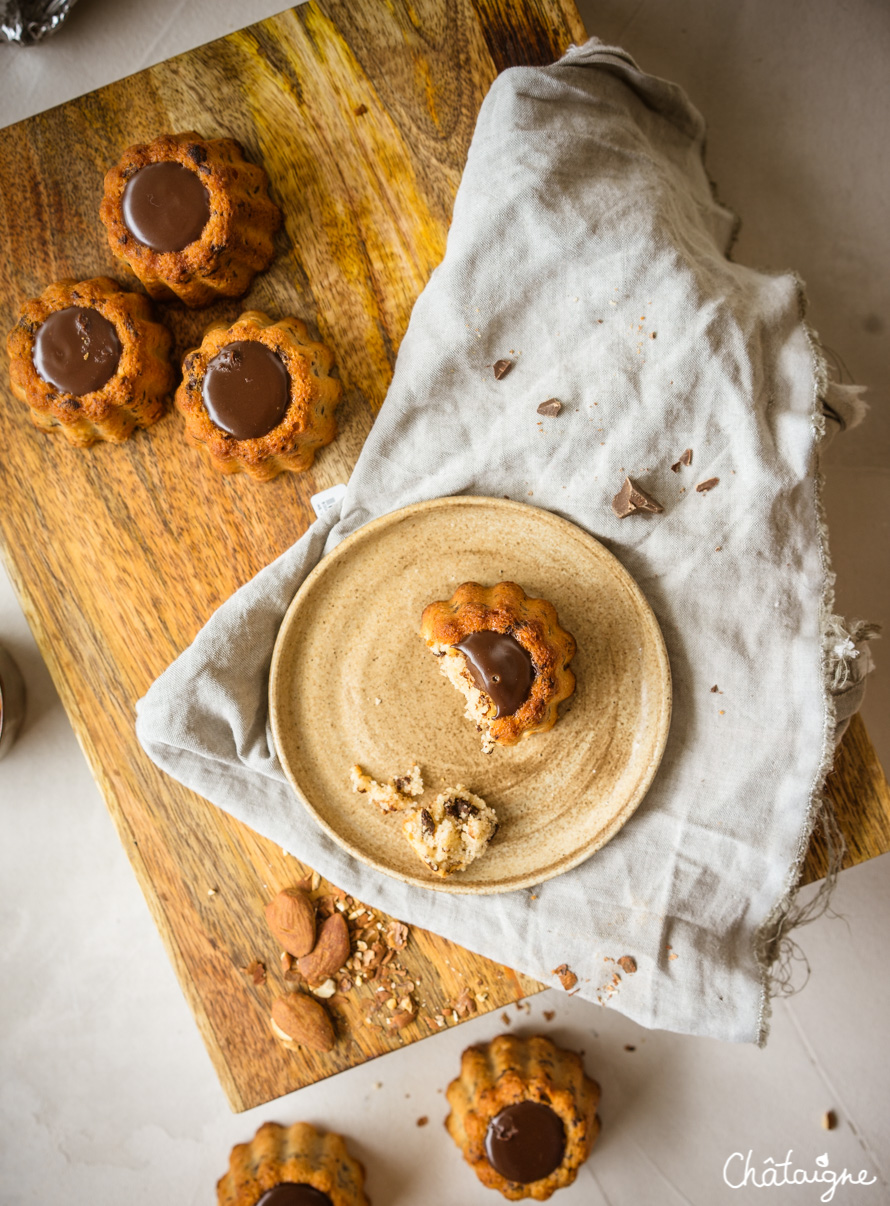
362,114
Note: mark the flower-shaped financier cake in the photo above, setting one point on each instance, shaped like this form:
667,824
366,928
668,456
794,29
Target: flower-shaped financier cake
523,1113
508,656
257,396
292,1166
190,216
90,361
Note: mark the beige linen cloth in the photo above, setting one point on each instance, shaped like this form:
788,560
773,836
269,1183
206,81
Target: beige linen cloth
586,238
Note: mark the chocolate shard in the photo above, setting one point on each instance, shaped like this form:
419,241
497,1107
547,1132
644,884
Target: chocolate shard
685,459
501,368
551,407
632,500
704,487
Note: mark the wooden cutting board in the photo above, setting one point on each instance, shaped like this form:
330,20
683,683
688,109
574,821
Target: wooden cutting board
361,113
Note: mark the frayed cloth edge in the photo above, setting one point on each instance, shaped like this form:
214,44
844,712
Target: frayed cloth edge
774,949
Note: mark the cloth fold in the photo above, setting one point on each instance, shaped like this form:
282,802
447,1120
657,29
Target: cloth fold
587,247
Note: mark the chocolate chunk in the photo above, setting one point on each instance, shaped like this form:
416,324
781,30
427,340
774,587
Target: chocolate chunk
76,350
501,368
246,389
500,667
165,206
550,408
685,459
293,1193
461,809
427,826
525,1142
632,500
704,487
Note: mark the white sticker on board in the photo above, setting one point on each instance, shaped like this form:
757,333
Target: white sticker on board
326,499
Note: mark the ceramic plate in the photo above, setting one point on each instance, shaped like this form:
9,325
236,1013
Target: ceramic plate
353,682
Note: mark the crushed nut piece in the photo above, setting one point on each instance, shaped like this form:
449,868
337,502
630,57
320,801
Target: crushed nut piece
464,1005
396,935
422,1121
399,1020
324,990
628,964
256,970
567,977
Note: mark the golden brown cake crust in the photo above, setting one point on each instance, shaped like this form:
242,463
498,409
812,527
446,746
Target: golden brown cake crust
237,241
297,1153
509,1070
506,608
309,422
136,394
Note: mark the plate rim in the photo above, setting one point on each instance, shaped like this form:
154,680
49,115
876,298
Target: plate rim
452,885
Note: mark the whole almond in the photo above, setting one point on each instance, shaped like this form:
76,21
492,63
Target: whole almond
291,918
330,951
303,1022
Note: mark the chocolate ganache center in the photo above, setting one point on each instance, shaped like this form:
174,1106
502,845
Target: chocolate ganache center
500,667
166,206
290,1193
525,1142
246,389
76,350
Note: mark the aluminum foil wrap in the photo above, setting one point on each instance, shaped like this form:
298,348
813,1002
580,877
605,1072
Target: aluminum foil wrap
27,21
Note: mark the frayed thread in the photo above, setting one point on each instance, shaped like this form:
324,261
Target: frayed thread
776,950
844,660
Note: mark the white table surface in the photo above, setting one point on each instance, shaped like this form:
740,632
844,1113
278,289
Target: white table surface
106,1092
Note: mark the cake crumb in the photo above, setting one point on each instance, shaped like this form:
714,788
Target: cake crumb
395,796
452,832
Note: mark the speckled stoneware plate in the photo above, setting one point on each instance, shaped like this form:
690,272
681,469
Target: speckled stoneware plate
353,682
